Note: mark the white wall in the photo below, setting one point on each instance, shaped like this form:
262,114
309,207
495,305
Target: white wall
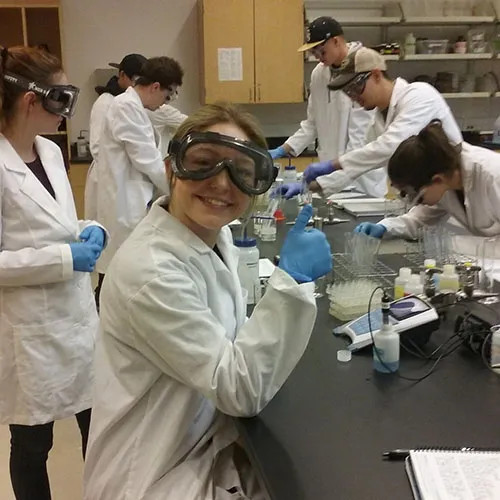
96,32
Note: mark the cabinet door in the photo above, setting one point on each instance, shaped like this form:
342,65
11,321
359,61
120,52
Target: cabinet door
279,68
227,50
11,27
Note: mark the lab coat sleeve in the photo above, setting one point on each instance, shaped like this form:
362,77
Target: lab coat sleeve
97,115
407,226
135,131
178,333
167,116
33,266
307,132
415,112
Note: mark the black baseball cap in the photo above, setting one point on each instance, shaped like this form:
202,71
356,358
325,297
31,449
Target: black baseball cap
319,31
131,64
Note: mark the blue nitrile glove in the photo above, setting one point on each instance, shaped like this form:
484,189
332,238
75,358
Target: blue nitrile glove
93,234
279,152
315,170
85,256
306,254
288,190
374,230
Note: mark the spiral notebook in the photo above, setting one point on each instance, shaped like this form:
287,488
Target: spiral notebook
440,474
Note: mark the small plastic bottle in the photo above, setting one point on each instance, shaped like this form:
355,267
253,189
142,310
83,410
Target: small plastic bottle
290,174
400,282
386,343
430,264
449,281
248,268
414,286
410,44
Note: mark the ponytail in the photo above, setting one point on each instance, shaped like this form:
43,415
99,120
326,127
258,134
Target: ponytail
420,157
34,64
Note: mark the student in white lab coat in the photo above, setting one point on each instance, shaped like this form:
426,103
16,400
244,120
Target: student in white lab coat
48,315
442,180
338,123
165,120
130,166
176,358
402,110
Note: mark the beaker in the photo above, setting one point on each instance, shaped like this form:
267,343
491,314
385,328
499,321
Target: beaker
268,229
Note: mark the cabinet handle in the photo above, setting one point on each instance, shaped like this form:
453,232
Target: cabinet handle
258,92
250,94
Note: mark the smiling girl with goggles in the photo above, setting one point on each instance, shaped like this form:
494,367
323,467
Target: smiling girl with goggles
202,155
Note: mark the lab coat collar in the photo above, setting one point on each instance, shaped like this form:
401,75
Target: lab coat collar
176,229
399,86
134,95
30,185
469,168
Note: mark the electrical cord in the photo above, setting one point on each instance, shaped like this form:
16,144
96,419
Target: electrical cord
396,372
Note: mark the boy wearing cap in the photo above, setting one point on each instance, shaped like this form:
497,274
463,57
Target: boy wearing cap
332,118
130,167
402,109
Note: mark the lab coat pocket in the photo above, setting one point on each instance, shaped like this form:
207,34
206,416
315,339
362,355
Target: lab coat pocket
54,364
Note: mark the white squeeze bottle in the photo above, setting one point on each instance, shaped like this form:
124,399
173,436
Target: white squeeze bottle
400,282
248,268
386,343
414,285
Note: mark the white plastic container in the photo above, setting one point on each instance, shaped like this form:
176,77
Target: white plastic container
449,281
248,268
401,281
289,174
410,44
414,286
386,349
430,264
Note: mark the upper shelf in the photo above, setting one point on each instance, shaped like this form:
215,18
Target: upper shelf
429,57
448,20
369,21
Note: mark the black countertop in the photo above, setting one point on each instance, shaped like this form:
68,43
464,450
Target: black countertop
322,436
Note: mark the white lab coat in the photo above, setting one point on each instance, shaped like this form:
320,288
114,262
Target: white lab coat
97,114
481,181
48,314
412,107
339,124
175,359
129,169
165,120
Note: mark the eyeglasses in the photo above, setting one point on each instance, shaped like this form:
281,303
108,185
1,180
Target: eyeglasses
412,196
319,50
357,86
202,155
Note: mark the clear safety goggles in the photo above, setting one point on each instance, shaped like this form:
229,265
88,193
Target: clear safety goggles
356,86
172,95
56,99
202,155
412,197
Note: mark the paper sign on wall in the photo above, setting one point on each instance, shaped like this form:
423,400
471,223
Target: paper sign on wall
230,65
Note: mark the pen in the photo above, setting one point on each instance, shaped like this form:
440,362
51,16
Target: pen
396,454
400,454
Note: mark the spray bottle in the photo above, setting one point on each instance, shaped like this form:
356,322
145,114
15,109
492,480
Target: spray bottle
386,342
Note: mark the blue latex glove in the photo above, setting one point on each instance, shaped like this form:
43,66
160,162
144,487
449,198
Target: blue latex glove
94,235
306,254
279,152
85,256
288,190
374,230
315,170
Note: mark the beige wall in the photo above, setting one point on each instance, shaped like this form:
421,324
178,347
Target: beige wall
96,32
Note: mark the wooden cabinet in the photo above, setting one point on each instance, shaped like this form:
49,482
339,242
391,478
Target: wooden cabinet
245,44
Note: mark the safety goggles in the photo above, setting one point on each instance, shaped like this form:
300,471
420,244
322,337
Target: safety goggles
412,197
356,86
202,155
172,95
56,99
